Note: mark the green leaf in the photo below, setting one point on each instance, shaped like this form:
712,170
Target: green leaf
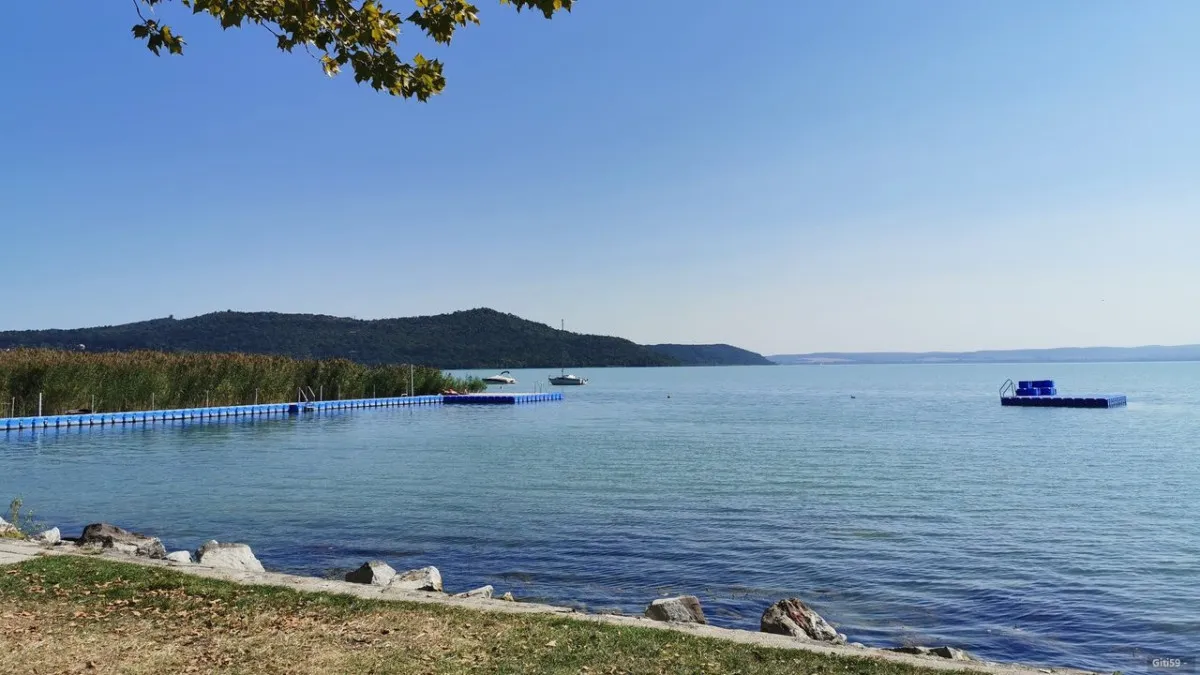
363,33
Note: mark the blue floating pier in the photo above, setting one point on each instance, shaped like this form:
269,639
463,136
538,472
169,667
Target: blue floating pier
500,399
260,410
1043,394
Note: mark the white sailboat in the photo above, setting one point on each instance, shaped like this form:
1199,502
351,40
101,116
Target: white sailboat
563,379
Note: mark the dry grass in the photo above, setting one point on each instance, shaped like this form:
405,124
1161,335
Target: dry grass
67,614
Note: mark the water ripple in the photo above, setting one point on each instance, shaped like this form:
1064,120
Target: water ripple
918,511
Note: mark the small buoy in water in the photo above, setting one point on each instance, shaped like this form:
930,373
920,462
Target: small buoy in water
668,396
851,395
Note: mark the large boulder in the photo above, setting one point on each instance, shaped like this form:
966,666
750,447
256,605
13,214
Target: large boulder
237,557
374,573
424,579
681,609
111,536
952,653
50,537
481,592
793,617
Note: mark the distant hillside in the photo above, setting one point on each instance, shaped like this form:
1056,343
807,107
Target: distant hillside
478,338
712,355
1059,355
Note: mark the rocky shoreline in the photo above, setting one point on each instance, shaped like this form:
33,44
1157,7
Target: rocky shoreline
789,618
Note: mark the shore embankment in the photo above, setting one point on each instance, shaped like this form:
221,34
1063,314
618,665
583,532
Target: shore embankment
116,595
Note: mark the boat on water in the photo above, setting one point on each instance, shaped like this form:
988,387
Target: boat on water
503,378
563,379
567,380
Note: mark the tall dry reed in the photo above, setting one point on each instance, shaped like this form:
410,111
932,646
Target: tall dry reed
144,380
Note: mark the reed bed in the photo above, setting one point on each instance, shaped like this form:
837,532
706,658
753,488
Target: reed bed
150,380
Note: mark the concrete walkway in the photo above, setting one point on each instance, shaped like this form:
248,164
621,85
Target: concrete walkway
14,552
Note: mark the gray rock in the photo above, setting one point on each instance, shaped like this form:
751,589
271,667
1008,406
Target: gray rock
951,653
122,548
180,556
51,536
681,609
424,579
483,592
228,556
793,617
374,573
109,536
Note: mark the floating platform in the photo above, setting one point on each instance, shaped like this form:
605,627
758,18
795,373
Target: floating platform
1043,394
259,410
500,399
1088,401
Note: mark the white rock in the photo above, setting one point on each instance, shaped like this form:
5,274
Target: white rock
483,592
180,556
7,529
508,597
424,579
51,536
374,573
228,556
681,609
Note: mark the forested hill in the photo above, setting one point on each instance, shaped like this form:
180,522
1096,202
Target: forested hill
478,338
712,355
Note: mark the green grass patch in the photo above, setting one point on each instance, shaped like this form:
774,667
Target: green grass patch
67,613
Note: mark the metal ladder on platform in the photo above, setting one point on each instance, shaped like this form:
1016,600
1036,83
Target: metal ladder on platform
305,397
1008,387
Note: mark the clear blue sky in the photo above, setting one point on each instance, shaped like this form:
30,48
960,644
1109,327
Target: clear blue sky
790,176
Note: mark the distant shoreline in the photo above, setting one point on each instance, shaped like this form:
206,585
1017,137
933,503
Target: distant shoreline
1144,354
978,363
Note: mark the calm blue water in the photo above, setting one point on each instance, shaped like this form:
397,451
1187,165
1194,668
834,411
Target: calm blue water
919,510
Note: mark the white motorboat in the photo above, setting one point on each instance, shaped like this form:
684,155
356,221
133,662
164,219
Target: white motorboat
503,378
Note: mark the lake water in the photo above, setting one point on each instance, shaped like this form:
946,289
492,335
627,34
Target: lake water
901,501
